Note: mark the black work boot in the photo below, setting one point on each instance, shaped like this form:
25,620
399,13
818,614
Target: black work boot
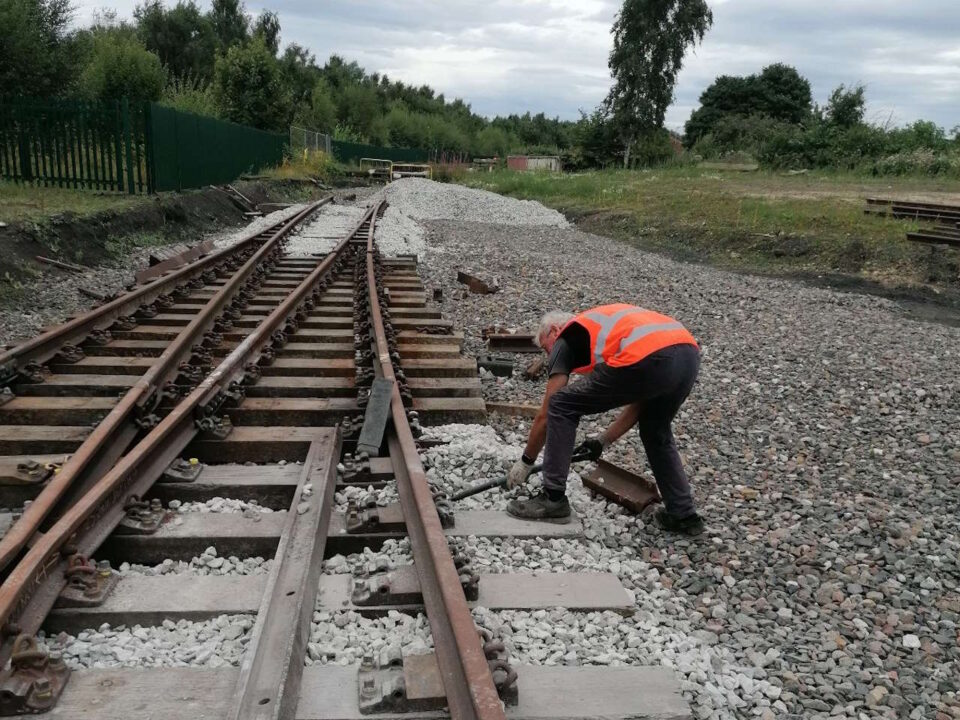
689,525
542,508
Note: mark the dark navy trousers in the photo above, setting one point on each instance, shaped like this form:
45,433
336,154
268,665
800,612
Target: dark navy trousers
661,381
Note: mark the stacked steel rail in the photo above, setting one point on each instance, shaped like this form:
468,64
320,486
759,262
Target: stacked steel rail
80,521
945,218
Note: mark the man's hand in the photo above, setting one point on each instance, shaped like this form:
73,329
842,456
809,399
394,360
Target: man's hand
519,473
592,448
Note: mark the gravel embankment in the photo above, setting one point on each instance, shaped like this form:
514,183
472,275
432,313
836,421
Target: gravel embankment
823,442
423,199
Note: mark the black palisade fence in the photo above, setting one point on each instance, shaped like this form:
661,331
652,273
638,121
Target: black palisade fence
76,144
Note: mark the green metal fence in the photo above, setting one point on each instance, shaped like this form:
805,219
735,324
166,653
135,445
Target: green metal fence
124,147
352,152
60,143
190,151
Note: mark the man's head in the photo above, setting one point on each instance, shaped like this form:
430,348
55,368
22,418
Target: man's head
550,326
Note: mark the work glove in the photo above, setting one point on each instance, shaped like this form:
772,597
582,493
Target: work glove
591,448
519,473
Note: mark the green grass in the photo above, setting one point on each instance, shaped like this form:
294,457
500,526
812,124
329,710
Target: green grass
763,221
26,202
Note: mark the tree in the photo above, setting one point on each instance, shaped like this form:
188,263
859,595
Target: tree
230,22
650,38
727,95
358,107
182,37
300,73
320,113
267,27
248,87
847,108
120,66
37,55
783,94
778,93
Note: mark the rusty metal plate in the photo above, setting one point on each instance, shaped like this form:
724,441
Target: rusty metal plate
423,680
623,487
512,342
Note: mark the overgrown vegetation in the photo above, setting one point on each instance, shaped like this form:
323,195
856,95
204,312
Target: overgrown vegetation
761,221
771,117
309,164
20,202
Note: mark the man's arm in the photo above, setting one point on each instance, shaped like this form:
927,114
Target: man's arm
538,431
625,420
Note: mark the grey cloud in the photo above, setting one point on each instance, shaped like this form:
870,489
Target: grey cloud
503,56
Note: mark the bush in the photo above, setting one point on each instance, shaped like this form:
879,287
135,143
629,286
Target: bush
747,135
923,161
308,163
120,66
652,149
190,95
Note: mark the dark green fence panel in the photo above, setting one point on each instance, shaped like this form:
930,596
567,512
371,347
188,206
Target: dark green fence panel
190,151
352,152
74,144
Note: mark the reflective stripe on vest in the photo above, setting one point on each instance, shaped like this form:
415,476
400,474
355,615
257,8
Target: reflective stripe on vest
636,324
607,323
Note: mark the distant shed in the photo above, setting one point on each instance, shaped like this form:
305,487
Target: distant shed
533,162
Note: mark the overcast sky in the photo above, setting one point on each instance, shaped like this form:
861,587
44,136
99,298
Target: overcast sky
504,56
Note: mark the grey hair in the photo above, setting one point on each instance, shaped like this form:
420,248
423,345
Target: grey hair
553,319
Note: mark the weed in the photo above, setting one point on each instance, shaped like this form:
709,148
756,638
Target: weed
28,202
308,164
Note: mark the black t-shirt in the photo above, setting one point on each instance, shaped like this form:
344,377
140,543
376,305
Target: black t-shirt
572,350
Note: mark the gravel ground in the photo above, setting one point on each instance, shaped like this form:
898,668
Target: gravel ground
230,237
321,234
399,234
823,443
343,637
210,644
423,199
209,563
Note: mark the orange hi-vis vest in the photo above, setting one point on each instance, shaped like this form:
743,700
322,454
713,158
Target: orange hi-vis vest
622,335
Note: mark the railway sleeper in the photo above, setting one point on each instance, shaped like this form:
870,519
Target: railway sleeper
149,600
330,692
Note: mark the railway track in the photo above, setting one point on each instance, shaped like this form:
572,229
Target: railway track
279,381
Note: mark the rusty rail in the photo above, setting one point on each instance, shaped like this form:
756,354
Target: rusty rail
43,347
31,589
104,446
467,678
